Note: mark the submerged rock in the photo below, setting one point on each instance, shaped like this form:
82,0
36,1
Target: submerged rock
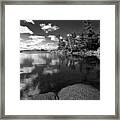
45,96
79,92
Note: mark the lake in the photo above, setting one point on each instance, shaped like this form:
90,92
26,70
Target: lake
43,72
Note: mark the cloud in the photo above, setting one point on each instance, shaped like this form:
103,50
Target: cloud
39,42
49,46
36,37
24,29
48,27
53,38
38,46
30,21
33,42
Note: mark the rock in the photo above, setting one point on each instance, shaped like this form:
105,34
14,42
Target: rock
45,96
79,92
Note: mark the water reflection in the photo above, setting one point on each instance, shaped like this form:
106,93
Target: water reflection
49,72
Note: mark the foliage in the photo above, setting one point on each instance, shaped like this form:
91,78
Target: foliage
87,40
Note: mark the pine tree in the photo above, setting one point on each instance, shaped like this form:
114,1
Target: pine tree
91,37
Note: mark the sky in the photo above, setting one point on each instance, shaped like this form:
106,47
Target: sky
33,32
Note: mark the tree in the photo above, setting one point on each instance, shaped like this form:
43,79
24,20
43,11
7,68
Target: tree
61,44
92,38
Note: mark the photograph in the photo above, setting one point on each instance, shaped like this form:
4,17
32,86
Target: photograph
59,59
58,55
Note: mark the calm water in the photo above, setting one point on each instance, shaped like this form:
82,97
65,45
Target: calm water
42,72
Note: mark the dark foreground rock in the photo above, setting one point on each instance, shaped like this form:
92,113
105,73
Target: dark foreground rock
79,92
45,96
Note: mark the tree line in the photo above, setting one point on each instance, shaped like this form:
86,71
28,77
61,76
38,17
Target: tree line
87,40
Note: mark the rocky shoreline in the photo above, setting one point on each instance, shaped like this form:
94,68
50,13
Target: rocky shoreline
72,92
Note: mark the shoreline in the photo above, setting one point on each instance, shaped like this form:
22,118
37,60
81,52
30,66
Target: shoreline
62,52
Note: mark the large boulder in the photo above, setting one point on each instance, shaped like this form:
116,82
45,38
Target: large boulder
79,92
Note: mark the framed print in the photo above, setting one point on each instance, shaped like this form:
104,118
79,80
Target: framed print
59,59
